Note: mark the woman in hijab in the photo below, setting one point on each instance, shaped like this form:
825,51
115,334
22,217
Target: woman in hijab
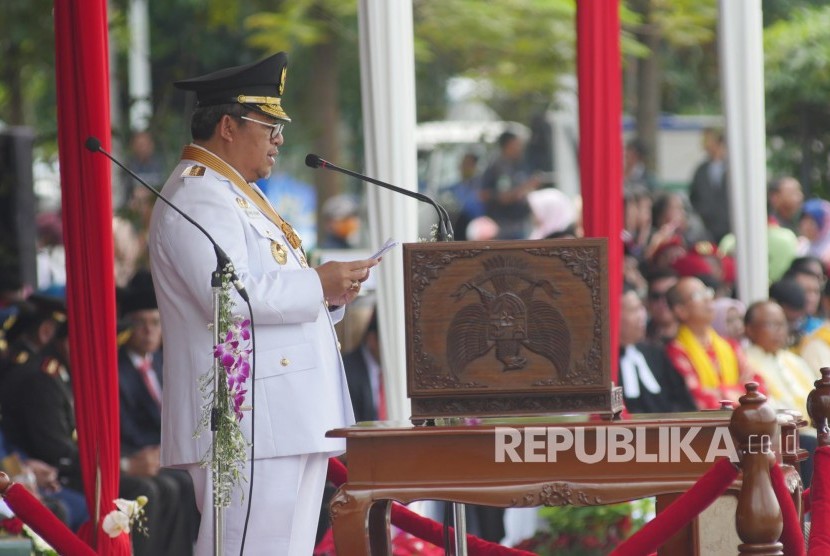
728,321
553,213
815,227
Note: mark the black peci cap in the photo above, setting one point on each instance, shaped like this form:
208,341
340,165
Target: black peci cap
139,294
259,85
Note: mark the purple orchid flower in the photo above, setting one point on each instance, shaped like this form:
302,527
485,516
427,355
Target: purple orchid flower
234,354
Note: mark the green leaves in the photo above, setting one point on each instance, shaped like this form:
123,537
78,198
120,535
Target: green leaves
797,67
519,45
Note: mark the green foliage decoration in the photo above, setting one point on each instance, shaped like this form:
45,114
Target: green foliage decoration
588,530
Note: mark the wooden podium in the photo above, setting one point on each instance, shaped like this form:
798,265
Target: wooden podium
508,328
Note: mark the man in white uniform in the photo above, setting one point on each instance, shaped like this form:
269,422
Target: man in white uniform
300,385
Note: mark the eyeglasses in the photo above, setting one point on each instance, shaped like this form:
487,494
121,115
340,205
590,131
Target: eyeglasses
276,129
702,295
656,296
773,325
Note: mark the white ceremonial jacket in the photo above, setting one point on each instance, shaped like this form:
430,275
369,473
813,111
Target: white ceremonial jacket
300,385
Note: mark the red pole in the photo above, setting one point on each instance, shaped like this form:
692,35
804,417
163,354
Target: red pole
600,141
82,67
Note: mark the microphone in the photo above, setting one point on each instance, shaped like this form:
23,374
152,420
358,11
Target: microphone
222,259
445,232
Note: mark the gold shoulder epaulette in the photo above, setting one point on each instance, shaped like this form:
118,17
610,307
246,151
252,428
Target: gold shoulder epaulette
123,337
193,171
50,366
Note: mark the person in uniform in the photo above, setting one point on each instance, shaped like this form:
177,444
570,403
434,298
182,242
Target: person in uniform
35,323
300,386
35,384
37,406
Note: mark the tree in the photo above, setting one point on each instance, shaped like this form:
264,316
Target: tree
323,29
520,47
664,26
797,67
27,62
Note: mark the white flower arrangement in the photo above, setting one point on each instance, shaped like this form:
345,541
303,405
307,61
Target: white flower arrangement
128,515
223,405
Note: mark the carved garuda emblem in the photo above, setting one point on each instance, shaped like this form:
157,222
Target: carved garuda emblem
508,318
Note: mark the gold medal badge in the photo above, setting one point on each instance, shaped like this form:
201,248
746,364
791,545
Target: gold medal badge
279,252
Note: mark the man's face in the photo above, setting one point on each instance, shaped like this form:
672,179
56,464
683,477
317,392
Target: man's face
143,146
256,152
146,331
632,319
656,303
513,149
789,199
768,328
696,307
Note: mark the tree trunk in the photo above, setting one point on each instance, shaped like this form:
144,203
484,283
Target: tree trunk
324,100
14,81
649,85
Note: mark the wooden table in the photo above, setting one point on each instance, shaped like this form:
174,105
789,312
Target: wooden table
455,460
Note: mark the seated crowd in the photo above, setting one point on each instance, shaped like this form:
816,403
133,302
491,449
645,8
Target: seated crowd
38,440
680,318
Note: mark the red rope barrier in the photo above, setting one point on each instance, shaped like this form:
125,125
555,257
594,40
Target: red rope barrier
791,537
427,529
44,523
337,472
680,512
820,501
433,532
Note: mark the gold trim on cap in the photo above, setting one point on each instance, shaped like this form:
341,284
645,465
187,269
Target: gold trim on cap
269,105
257,100
274,110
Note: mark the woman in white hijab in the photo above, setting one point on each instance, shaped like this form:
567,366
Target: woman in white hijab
553,212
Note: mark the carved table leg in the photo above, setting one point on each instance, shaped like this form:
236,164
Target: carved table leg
380,517
349,520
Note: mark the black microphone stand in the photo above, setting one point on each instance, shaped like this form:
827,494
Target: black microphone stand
445,232
223,264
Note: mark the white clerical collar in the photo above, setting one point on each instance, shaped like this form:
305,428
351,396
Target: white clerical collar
634,369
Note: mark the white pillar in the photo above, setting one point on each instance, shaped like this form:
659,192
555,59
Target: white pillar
141,106
740,34
387,77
